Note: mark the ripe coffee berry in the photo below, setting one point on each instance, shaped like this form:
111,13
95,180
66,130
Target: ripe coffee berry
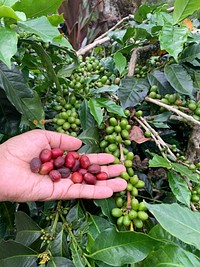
45,155
59,165
55,175
84,162
46,167
77,178
56,152
35,165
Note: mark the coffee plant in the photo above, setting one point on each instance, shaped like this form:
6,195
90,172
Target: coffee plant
134,93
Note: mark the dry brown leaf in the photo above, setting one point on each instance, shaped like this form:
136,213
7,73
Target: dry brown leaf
137,135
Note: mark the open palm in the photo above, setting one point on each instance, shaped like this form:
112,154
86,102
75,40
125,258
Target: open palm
18,183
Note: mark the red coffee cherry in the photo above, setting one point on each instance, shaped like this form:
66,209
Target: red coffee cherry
65,172
75,154
69,161
76,165
102,176
35,165
77,178
46,167
94,168
55,175
56,152
59,162
89,178
82,171
84,161
45,155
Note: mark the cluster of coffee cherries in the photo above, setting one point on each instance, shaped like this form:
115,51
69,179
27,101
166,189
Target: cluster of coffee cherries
58,164
195,196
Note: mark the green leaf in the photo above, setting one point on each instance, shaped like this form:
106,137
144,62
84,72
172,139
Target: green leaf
90,136
24,222
185,171
37,8
97,225
190,53
132,91
7,211
20,95
179,221
41,27
157,77
172,39
76,256
184,8
7,36
106,89
87,120
118,248
59,246
95,110
120,62
178,77
8,2
56,19
8,12
106,206
169,256
158,161
179,188
110,106
15,254
60,262
141,13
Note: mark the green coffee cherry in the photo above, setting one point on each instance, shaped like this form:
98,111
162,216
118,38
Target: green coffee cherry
126,220
132,214
138,223
116,212
142,215
134,204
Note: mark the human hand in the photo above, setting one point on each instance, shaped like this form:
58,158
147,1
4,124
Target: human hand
18,183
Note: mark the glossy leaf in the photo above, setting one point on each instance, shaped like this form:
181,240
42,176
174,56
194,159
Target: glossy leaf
15,254
110,106
118,248
169,256
97,225
190,53
24,222
95,110
7,211
56,19
158,161
132,91
90,136
38,7
141,13
60,262
41,27
87,120
179,188
8,2
59,246
7,36
120,62
76,256
106,206
172,39
8,12
157,77
179,221
178,77
20,95
184,8
185,171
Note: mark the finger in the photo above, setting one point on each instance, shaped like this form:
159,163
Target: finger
66,190
63,141
101,158
113,170
117,184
